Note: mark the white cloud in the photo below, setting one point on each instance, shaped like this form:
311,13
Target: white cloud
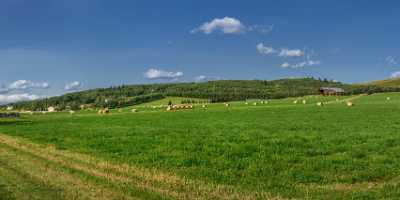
265,50
301,64
285,65
4,99
284,52
391,60
3,89
27,84
291,53
226,25
261,28
395,75
153,73
73,86
202,78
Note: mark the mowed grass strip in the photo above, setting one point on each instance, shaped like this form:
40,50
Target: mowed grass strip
153,181
35,178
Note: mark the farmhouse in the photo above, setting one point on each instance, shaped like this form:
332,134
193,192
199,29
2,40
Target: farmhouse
328,91
51,109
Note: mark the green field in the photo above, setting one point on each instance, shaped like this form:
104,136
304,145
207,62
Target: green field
278,150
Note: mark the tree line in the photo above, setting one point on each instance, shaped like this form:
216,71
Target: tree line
212,91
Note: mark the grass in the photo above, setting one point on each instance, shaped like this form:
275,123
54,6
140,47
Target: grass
277,150
174,100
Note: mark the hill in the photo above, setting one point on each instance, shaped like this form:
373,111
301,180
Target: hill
214,91
395,82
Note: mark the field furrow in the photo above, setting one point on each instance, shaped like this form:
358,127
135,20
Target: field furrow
48,161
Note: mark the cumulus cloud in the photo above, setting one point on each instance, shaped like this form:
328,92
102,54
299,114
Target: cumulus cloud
203,78
265,50
291,53
226,25
264,29
11,98
395,74
73,86
305,55
27,84
301,64
391,60
284,52
285,65
20,91
153,74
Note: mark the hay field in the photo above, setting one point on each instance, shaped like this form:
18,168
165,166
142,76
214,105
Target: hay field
278,150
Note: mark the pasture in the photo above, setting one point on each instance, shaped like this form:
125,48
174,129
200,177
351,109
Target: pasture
278,150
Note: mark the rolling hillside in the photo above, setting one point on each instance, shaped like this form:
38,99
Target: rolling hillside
214,91
384,83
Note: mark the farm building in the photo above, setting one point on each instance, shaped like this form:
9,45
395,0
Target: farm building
328,91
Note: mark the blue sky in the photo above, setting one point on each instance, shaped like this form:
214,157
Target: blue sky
79,44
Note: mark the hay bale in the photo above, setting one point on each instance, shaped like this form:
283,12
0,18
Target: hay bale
227,104
350,104
134,110
295,101
255,103
71,112
204,106
304,101
320,104
388,98
246,103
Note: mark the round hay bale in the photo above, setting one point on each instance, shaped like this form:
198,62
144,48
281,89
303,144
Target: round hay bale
350,104
295,102
320,104
388,98
134,110
255,103
304,101
71,112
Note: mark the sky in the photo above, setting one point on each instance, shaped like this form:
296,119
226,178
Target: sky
50,47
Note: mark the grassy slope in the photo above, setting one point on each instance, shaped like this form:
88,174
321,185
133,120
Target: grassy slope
383,83
288,150
165,101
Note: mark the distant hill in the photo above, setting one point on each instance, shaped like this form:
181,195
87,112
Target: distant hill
395,82
214,91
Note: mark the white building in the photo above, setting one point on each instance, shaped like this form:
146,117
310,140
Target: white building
51,109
